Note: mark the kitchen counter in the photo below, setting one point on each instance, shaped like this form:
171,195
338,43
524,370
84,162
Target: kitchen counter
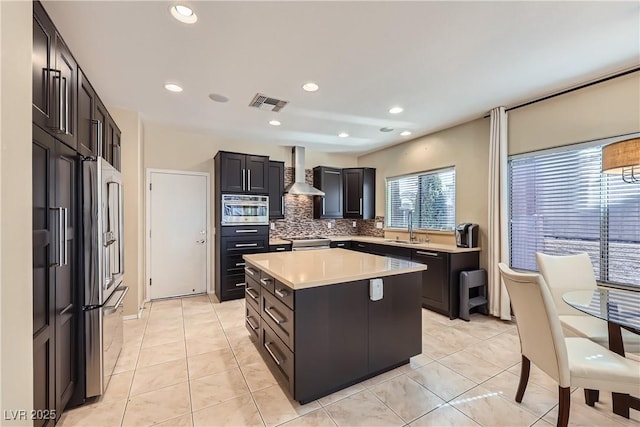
383,241
308,269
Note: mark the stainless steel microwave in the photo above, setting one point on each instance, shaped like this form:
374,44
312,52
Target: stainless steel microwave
241,209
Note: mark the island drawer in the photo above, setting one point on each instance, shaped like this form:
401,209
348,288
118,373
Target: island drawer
252,322
278,316
284,293
278,353
267,281
252,293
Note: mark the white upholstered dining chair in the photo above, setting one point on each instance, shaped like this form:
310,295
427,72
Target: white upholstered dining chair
572,273
571,361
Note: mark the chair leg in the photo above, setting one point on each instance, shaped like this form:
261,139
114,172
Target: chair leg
591,396
524,378
564,401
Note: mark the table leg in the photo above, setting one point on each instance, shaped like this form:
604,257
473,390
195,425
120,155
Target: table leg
621,401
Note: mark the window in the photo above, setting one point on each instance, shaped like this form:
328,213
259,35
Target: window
560,203
431,196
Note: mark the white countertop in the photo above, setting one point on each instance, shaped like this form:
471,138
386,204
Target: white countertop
382,241
307,269
277,241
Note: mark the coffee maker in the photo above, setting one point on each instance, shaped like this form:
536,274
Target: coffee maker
467,235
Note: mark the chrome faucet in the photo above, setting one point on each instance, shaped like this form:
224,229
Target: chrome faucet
410,226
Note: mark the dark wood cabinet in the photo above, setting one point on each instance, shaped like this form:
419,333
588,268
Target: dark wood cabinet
280,248
90,131
243,173
341,244
65,84
276,190
359,195
54,80
103,137
328,180
112,144
318,340
441,281
55,257
43,63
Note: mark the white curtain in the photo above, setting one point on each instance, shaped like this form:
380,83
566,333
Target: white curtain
498,231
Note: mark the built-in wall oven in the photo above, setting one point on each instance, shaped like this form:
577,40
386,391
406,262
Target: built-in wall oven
242,209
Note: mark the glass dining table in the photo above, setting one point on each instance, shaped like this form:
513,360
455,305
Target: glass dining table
620,309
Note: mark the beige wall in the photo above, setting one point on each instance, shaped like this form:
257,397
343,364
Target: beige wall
608,109
168,147
130,125
466,147
16,349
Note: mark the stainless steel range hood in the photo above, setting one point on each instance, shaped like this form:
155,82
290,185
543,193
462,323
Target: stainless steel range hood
299,186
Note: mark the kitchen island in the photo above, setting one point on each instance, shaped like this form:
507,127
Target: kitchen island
326,319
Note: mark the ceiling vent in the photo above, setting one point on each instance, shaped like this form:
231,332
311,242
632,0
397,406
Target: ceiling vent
266,103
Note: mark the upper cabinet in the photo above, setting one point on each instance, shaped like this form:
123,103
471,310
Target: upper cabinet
243,173
54,80
276,190
329,180
90,127
359,192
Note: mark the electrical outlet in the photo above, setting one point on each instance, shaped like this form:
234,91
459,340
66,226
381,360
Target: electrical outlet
329,224
354,224
379,224
272,226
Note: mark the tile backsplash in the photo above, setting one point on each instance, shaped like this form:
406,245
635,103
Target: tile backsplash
298,218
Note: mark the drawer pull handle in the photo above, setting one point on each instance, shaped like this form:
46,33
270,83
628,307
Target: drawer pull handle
280,249
426,253
275,319
267,345
255,328
265,281
282,293
240,264
251,293
340,245
246,245
241,284
251,271
246,231
360,245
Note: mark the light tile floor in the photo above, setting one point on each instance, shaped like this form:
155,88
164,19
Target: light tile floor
189,362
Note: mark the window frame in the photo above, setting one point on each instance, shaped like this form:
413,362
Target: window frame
603,278
418,175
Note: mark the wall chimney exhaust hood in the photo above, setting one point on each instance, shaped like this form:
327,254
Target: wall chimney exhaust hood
299,186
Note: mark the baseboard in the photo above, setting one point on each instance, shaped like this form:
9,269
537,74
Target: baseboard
133,316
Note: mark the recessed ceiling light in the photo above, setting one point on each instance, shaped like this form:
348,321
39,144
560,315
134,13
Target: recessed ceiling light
310,87
183,14
274,123
386,129
396,110
405,133
218,98
343,135
172,87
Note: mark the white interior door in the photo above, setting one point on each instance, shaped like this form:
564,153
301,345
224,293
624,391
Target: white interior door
178,234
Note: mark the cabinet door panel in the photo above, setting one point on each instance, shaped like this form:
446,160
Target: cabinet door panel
328,180
103,138
66,93
257,174
276,190
435,283
352,193
233,172
43,61
87,130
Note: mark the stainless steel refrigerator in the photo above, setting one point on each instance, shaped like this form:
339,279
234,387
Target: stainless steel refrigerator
101,280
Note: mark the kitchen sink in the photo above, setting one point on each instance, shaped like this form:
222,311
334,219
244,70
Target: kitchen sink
402,241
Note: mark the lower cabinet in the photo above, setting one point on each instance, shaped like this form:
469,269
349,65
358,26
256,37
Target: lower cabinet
341,244
280,248
319,340
441,280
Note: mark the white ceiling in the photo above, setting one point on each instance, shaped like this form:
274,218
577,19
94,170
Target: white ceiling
444,62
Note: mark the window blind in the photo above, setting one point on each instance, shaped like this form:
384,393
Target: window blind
560,203
429,195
